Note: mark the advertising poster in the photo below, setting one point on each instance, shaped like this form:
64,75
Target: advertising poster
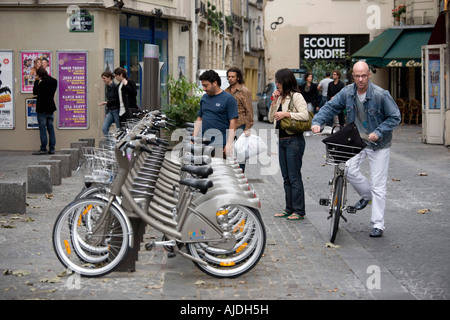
72,90
30,62
435,85
32,122
6,90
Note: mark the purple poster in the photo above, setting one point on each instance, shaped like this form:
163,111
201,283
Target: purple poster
72,84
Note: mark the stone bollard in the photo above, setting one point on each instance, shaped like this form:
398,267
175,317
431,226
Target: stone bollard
79,145
90,141
66,170
74,157
55,171
39,179
13,197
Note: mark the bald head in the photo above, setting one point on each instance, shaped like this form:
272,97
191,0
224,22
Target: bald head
361,67
361,76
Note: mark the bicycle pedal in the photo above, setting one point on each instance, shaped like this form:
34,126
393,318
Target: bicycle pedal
171,255
149,246
351,209
324,202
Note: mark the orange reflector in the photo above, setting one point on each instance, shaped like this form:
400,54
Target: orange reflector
239,227
241,247
66,244
89,207
221,212
227,264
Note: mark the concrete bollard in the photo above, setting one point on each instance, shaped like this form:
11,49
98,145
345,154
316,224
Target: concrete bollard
55,170
39,179
66,170
90,141
13,197
74,157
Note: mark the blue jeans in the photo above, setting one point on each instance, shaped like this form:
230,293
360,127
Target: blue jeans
45,122
290,157
111,117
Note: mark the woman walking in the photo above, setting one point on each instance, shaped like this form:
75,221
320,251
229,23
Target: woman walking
291,145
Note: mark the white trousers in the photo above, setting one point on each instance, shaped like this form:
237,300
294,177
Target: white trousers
375,189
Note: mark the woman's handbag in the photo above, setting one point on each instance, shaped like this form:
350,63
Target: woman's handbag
344,144
296,126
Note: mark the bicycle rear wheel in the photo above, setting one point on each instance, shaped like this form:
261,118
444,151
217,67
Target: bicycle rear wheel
77,249
250,234
336,207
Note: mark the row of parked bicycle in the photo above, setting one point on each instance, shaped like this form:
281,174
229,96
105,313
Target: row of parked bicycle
202,205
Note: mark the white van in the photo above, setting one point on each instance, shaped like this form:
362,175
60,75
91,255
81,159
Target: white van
223,78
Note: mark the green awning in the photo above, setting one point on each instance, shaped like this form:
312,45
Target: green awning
396,47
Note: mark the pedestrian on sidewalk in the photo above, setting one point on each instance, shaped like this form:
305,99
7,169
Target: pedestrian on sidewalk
127,95
243,97
44,88
112,102
218,114
333,89
323,86
291,146
376,115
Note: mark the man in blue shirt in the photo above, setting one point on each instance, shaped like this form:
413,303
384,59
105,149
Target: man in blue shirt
218,113
376,115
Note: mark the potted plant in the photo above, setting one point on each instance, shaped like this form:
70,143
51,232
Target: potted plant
184,100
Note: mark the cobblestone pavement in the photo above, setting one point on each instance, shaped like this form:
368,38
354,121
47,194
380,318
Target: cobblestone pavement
411,258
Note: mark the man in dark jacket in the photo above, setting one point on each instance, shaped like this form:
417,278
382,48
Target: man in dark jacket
127,94
45,88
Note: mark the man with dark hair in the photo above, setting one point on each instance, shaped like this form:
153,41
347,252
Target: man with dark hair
127,95
112,102
243,97
44,88
218,114
333,89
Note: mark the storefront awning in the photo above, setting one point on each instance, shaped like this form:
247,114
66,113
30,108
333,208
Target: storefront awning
395,47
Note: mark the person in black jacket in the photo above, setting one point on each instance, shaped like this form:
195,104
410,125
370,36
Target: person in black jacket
127,95
44,88
309,92
112,102
333,89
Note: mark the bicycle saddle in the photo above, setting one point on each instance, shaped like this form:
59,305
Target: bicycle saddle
199,171
201,160
201,185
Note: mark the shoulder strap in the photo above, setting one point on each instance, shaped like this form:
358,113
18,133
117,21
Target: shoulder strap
290,109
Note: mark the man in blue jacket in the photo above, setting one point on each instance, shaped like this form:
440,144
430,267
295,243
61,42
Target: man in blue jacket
376,115
45,88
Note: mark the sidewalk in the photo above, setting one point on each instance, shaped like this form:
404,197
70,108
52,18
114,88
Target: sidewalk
297,263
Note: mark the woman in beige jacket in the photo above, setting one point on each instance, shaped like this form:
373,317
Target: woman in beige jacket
291,146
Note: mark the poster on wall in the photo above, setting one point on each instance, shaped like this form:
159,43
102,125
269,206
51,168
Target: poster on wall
72,89
6,90
30,105
434,79
30,62
109,60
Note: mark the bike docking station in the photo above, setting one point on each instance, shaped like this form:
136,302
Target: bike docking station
201,204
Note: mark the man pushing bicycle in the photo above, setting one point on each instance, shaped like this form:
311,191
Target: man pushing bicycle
376,115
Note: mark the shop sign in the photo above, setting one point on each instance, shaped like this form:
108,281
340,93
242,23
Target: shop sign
330,47
81,21
409,64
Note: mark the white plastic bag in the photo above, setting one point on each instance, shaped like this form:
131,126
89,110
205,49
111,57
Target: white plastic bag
248,147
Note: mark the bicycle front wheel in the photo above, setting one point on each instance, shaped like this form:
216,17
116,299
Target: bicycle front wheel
83,251
250,234
336,207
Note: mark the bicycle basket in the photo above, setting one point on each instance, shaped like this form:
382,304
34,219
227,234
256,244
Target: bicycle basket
344,144
101,165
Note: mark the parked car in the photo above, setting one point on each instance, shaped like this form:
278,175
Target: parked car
264,100
299,75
